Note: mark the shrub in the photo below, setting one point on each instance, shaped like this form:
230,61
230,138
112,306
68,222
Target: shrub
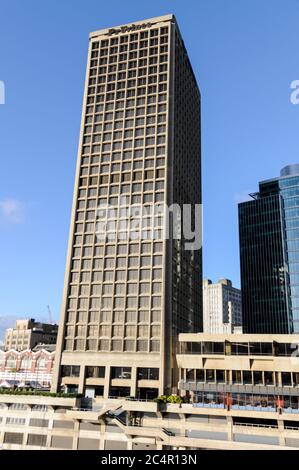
31,392
169,399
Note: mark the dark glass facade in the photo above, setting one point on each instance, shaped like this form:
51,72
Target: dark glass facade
269,254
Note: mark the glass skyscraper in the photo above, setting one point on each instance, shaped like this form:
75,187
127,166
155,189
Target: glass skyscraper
269,255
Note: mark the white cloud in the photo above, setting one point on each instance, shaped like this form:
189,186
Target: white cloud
11,210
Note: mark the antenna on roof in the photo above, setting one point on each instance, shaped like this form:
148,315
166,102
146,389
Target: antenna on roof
50,315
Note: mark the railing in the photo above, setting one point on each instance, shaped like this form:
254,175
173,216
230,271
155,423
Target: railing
120,419
291,428
40,376
128,398
209,405
197,386
245,407
94,410
169,433
291,410
254,425
253,408
124,423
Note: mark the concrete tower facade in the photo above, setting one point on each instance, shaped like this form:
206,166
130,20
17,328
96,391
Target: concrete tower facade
126,298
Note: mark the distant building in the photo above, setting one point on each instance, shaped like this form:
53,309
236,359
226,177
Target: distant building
28,333
26,369
269,255
46,347
222,311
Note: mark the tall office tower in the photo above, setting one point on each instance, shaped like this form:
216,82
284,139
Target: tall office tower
222,306
269,251
126,298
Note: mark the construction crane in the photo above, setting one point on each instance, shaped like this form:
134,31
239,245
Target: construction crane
50,315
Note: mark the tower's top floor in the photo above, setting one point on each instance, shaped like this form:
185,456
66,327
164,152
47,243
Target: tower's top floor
289,176
135,26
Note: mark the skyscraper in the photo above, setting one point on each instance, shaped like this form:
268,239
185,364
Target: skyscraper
222,306
269,252
126,298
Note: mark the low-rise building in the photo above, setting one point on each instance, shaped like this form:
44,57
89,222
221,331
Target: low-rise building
241,371
28,333
26,368
241,392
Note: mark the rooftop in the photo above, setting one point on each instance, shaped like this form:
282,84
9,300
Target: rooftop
125,27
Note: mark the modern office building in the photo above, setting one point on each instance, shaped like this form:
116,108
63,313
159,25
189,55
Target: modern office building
269,254
126,298
222,306
28,333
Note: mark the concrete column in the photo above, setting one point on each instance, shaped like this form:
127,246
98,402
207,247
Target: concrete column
183,430
133,382
282,440
130,445
25,435
50,427
102,444
102,435
81,380
107,381
159,445
230,433
76,434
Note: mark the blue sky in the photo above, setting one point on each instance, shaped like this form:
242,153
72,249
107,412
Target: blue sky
244,54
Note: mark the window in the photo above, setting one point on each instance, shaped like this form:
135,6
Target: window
116,345
26,363
117,330
142,345
190,375
210,375
143,331
11,361
200,375
237,376
129,345
247,377
38,440
121,372
130,331
70,371
269,380
13,438
286,379
155,331
155,345
257,377
148,374
104,345
105,330
131,317
95,372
